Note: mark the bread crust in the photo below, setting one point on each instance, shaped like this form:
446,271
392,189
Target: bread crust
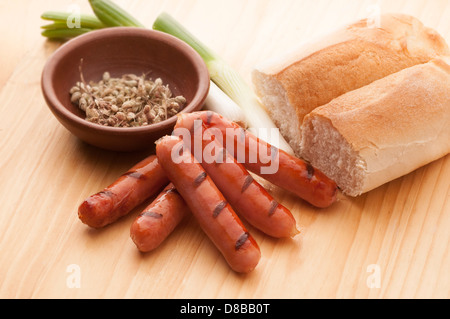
395,125
348,59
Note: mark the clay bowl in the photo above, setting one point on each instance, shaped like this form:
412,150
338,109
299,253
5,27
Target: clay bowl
123,51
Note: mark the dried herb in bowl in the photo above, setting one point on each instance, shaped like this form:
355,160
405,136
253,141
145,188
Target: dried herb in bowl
129,101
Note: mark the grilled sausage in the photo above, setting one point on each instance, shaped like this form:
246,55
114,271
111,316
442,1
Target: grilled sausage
290,173
131,189
250,200
158,220
210,208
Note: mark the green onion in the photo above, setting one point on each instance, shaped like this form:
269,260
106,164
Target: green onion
55,26
64,33
228,80
86,21
112,15
59,29
166,23
218,102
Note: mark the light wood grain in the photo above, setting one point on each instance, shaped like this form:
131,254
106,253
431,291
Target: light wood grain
401,227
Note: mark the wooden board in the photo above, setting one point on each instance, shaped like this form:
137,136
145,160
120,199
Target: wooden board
390,243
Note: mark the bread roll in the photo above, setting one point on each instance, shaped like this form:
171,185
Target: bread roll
292,86
373,135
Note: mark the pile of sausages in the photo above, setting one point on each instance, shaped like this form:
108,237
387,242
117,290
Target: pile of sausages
217,193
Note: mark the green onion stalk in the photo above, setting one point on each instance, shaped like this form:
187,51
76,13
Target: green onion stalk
112,15
86,20
59,28
107,14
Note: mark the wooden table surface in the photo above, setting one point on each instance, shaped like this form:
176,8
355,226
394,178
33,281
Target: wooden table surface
390,243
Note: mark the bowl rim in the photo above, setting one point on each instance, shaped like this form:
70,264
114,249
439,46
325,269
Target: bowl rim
51,66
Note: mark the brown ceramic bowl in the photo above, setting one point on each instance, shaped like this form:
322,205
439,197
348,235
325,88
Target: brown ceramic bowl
122,51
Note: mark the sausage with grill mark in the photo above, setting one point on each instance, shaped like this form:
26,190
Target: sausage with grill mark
210,208
140,183
158,220
292,174
249,199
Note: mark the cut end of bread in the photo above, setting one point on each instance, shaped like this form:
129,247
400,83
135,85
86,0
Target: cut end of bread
274,98
327,150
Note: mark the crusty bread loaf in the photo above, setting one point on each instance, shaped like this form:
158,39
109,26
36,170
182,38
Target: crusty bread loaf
292,86
373,135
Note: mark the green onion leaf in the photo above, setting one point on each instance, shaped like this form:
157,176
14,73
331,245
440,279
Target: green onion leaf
112,15
54,26
168,24
64,33
86,21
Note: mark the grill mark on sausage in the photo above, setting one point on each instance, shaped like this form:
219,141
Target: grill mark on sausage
310,171
200,179
248,181
273,207
135,175
219,208
241,241
152,215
